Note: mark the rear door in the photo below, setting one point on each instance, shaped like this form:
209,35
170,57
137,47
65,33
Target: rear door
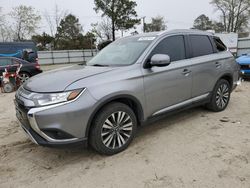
170,85
205,66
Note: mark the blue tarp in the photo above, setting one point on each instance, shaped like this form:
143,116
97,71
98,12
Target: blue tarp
244,60
18,54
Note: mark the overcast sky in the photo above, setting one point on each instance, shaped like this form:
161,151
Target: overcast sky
177,13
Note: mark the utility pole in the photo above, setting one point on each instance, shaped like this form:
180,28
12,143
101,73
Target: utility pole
143,24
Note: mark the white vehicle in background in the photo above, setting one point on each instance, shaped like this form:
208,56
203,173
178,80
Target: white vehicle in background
230,40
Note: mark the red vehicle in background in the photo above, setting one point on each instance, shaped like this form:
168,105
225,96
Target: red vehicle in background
16,71
10,81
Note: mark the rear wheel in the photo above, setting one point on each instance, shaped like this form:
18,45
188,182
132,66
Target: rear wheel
220,96
113,129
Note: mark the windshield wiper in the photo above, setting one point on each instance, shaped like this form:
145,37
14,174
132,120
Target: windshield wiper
100,65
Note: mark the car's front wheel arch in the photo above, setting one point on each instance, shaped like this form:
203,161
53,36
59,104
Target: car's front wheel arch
128,100
113,128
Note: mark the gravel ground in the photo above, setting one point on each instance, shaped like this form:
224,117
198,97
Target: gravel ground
195,148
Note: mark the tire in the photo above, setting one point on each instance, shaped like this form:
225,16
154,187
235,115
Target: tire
109,137
8,87
220,96
23,76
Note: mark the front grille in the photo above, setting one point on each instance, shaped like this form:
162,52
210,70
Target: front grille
245,67
22,113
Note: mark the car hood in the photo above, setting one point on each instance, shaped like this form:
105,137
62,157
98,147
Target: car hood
58,80
243,60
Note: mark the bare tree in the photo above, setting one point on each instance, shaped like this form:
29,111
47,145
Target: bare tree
2,17
6,33
53,20
103,30
25,21
235,14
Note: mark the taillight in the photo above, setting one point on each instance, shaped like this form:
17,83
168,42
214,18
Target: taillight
37,64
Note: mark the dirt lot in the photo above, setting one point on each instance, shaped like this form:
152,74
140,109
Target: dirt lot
195,148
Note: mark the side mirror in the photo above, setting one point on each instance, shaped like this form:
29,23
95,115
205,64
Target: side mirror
160,60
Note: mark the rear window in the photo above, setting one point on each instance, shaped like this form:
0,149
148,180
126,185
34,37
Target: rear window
220,46
201,45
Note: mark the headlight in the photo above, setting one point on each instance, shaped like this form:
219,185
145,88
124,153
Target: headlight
43,99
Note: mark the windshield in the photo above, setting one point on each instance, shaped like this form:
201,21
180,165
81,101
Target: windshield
122,52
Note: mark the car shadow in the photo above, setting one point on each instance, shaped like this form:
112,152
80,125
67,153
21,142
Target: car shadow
55,157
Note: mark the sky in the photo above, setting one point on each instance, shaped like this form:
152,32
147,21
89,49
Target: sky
178,14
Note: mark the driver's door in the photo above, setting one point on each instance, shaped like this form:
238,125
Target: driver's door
166,87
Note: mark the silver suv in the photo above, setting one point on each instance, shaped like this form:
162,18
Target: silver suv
129,82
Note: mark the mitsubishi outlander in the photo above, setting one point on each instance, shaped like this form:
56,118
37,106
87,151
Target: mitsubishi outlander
130,81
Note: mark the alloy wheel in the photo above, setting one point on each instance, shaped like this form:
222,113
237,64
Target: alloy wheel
116,130
23,77
222,96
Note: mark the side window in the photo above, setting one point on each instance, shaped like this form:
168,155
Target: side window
5,62
173,46
220,46
201,45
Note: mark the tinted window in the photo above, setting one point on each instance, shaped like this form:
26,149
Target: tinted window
5,62
219,45
173,46
201,45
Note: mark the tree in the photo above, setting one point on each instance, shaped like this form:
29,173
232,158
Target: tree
53,20
157,24
218,27
121,13
102,30
43,40
235,14
5,29
69,34
2,18
26,21
203,22
89,40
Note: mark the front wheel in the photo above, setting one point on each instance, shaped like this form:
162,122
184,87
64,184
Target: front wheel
220,96
113,129
8,87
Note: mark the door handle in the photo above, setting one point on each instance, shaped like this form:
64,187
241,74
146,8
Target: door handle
218,65
186,72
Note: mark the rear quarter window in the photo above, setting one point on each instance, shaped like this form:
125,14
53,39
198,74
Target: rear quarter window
220,46
201,45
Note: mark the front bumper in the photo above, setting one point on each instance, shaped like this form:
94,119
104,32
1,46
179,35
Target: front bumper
37,139
54,125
